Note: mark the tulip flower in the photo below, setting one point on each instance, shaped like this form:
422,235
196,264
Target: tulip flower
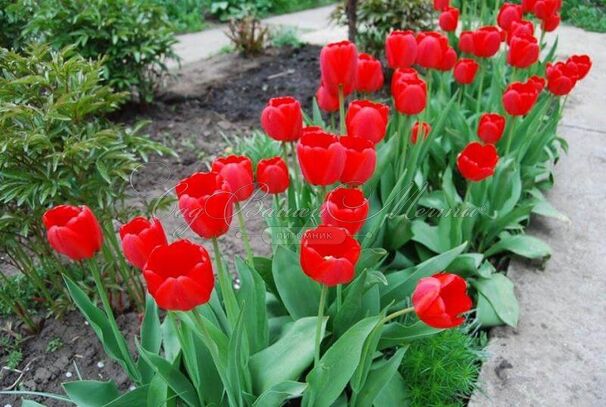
237,171
410,95
522,27
491,127
440,5
366,119
73,231
329,255
401,49
561,78
523,51
440,300
344,207
477,161
338,65
404,74
360,160
449,19
528,5
486,42
282,119
320,147
508,14
425,129
465,71
206,203
545,9
537,82
550,23
327,101
582,63
466,42
519,98
139,238
369,77
179,276
449,59
272,175
432,48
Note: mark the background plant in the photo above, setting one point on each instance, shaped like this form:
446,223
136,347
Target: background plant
248,34
186,15
57,147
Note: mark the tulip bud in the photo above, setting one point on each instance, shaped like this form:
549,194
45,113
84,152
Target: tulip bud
366,119
491,127
320,147
360,160
338,65
347,208
466,42
477,161
523,51
139,238
272,175
519,98
465,71
486,42
509,13
236,170
401,49
369,77
327,101
282,119
449,19
410,95
414,135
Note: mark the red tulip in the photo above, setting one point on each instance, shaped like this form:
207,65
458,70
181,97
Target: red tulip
272,175
404,74
206,203
440,300
237,171
347,208
73,231
523,51
410,95
449,59
550,23
338,65
432,47
537,82
490,127
544,9
179,276
366,119
477,161
327,101
414,135
401,49
522,27
465,71
528,5
466,42
360,160
486,41
139,238
282,119
329,255
449,19
519,98
320,147
582,63
509,13
369,77
561,78
440,5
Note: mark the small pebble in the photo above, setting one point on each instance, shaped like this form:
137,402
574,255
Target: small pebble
100,365
8,405
131,388
68,374
85,322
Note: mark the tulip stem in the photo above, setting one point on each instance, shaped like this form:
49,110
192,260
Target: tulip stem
295,167
339,296
292,187
126,356
480,87
245,238
511,134
397,314
227,289
319,322
341,110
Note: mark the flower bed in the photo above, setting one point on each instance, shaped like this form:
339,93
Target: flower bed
396,218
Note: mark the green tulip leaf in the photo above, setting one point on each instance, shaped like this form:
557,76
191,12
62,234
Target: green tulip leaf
91,393
397,334
499,292
395,393
380,375
522,245
151,337
252,293
278,394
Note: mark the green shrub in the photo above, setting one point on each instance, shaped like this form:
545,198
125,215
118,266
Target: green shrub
286,37
441,370
14,15
586,14
57,148
376,18
134,36
186,15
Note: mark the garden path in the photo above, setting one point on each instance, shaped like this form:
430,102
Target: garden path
557,354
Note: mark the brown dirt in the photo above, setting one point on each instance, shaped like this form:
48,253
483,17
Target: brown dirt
217,98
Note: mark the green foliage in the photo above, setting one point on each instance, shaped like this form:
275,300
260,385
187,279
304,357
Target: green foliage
442,370
256,146
376,18
13,359
186,15
587,14
14,15
286,37
134,36
54,345
248,34
227,9
57,148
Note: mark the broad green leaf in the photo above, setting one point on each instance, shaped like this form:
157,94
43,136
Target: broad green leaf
328,380
498,290
429,236
134,398
395,393
485,313
252,293
278,394
380,375
522,245
299,293
397,334
151,337
286,359
91,393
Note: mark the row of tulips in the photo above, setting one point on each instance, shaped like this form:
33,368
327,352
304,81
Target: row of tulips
418,201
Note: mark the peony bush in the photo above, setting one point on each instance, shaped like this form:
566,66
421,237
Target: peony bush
414,205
